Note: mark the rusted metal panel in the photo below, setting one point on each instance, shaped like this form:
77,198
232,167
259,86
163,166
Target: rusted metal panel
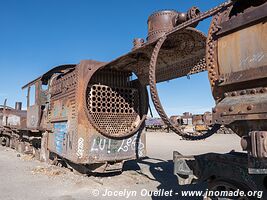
106,149
242,107
11,117
255,142
243,50
33,117
243,76
182,54
237,60
252,15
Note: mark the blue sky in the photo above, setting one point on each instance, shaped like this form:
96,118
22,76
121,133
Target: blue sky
37,35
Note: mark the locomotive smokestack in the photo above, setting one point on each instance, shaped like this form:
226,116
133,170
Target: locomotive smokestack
18,105
163,21
159,23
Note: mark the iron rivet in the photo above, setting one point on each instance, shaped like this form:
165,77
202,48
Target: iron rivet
253,91
231,108
249,107
234,94
243,92
262,90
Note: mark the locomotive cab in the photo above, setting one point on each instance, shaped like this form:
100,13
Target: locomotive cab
37,98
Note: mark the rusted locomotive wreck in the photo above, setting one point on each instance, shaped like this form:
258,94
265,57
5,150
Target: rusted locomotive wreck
192,123
87,116
235,56
197,123
92,113
11,117
155,124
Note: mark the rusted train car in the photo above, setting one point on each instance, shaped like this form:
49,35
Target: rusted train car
87,115
155,124
91,114
235,55
11,119
197,123
191,123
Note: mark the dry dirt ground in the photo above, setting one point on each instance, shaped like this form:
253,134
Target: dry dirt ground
23,178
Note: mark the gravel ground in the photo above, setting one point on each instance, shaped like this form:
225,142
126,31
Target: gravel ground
23,178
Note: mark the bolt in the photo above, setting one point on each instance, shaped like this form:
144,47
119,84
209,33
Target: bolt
243,92
253,91
221,80
262,90
226,94
231,108
214,110
223,113
234,94
249,107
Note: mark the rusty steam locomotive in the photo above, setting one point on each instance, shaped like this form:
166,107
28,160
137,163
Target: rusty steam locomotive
88,114
92,114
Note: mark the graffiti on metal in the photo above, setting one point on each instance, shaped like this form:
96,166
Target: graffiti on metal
80,149
104,145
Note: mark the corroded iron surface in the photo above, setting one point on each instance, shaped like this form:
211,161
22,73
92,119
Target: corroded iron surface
152,75
113,103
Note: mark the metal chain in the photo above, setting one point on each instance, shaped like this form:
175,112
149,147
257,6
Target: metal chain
152,75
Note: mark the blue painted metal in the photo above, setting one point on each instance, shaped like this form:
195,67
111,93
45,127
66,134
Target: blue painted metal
60,130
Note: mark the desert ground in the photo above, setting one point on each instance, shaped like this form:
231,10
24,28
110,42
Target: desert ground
24,178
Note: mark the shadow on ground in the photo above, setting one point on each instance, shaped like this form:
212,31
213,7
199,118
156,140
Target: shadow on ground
162,172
